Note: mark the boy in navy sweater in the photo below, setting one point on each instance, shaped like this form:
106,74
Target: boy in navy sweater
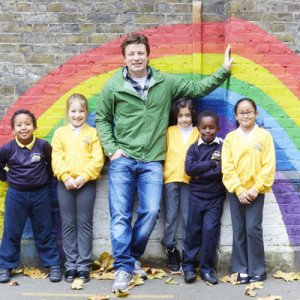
28,160
207,195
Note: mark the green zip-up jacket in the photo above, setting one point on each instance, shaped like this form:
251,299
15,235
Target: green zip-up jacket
139,127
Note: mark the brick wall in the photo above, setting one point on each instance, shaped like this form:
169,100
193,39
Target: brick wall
36,37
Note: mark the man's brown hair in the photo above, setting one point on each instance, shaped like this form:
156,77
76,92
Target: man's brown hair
135,38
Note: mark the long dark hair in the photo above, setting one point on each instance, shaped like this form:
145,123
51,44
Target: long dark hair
182,103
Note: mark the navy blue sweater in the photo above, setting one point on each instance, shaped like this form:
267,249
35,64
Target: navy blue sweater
206,174
28,169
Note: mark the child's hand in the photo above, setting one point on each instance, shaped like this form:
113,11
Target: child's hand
244,198
79,182
252,194
70,184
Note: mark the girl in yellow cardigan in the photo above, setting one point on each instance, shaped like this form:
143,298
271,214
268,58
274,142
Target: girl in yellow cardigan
176,188
248,166
77,159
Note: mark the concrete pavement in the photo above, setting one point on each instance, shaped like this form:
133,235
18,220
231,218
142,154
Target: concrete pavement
43,289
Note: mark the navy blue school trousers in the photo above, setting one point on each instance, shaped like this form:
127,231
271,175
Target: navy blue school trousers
203,233
19,205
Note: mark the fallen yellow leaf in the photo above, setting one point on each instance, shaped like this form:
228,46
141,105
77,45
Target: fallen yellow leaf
250,293
136,280
257,285
232,279
106,262
122,294
102,276
34,273
14,283
77,284
250,289
171,281
208,283
287,276
156,273
17,271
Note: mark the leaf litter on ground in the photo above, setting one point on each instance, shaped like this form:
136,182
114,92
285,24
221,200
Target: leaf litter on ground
171,281
77,284
34,273
232,279
250,289
287,276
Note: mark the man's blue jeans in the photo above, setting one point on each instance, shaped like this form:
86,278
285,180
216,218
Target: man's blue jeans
126,177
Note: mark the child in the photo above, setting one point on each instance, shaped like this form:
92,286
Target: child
77,160
207,195
248,165
28,160
176,188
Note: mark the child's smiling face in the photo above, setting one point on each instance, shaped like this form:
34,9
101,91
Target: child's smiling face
77,113
208,128
246,115
24,128
184,117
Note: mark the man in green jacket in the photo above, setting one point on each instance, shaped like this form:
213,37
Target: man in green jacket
136,100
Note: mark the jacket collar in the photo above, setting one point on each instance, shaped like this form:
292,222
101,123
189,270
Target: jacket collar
126,86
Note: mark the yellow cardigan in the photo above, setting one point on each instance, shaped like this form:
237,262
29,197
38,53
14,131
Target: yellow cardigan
248,164
76,155
174,170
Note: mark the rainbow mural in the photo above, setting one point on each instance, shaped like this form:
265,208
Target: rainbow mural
265,69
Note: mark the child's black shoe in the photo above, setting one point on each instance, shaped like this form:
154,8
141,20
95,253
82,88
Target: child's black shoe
173,260
189,276
84,276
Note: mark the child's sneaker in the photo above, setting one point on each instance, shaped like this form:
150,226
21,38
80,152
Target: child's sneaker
173,260
5,275
55,274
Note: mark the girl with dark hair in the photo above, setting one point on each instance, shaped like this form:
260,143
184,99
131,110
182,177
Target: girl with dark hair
248,166
176,181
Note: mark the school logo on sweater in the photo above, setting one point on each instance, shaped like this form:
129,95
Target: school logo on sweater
216,155
258,146
35,157
87,140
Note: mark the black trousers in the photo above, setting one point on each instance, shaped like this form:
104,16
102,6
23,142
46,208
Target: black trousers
248,254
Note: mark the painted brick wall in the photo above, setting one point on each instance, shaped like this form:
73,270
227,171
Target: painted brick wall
37,38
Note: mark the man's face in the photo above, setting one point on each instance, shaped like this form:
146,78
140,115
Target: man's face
136,59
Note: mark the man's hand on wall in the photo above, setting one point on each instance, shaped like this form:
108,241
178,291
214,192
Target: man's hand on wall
227,60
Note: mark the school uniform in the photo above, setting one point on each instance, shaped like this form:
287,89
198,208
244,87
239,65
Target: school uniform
207,195
28,194
248,161
77,152
176,181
